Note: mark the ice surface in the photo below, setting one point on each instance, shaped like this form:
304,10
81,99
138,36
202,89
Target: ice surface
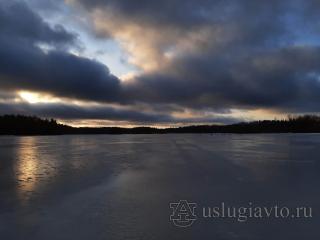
120,187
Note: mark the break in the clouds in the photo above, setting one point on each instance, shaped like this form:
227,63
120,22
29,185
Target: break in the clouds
193,59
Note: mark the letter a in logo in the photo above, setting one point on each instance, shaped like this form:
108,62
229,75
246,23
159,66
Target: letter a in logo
183,213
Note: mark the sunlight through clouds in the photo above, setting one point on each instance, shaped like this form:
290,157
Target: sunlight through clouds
34,97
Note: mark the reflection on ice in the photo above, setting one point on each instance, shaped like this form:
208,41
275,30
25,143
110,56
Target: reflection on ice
27,169
32,167
120,187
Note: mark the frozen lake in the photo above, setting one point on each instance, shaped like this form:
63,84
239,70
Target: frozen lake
120,187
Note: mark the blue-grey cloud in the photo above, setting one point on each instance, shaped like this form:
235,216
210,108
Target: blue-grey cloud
282,78
24,65
250,56
75,112
257,61
19,23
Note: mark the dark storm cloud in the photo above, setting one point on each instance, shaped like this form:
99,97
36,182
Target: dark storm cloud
23,65
156,12
47,5
18,22
254,19
245,54
255,64
74,112
68,111
278,78
55,72
188,13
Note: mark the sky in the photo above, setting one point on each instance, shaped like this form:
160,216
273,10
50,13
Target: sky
159,63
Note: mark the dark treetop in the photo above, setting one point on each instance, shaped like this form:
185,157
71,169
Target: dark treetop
26,125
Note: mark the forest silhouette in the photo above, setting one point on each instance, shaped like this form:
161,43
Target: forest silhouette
32,125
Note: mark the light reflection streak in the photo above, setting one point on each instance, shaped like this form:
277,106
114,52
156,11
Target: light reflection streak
32,168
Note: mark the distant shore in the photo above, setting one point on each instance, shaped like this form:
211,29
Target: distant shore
31,125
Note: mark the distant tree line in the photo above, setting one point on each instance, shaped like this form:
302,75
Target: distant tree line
31,125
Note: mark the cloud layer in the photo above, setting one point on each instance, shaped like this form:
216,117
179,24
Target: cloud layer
207,55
